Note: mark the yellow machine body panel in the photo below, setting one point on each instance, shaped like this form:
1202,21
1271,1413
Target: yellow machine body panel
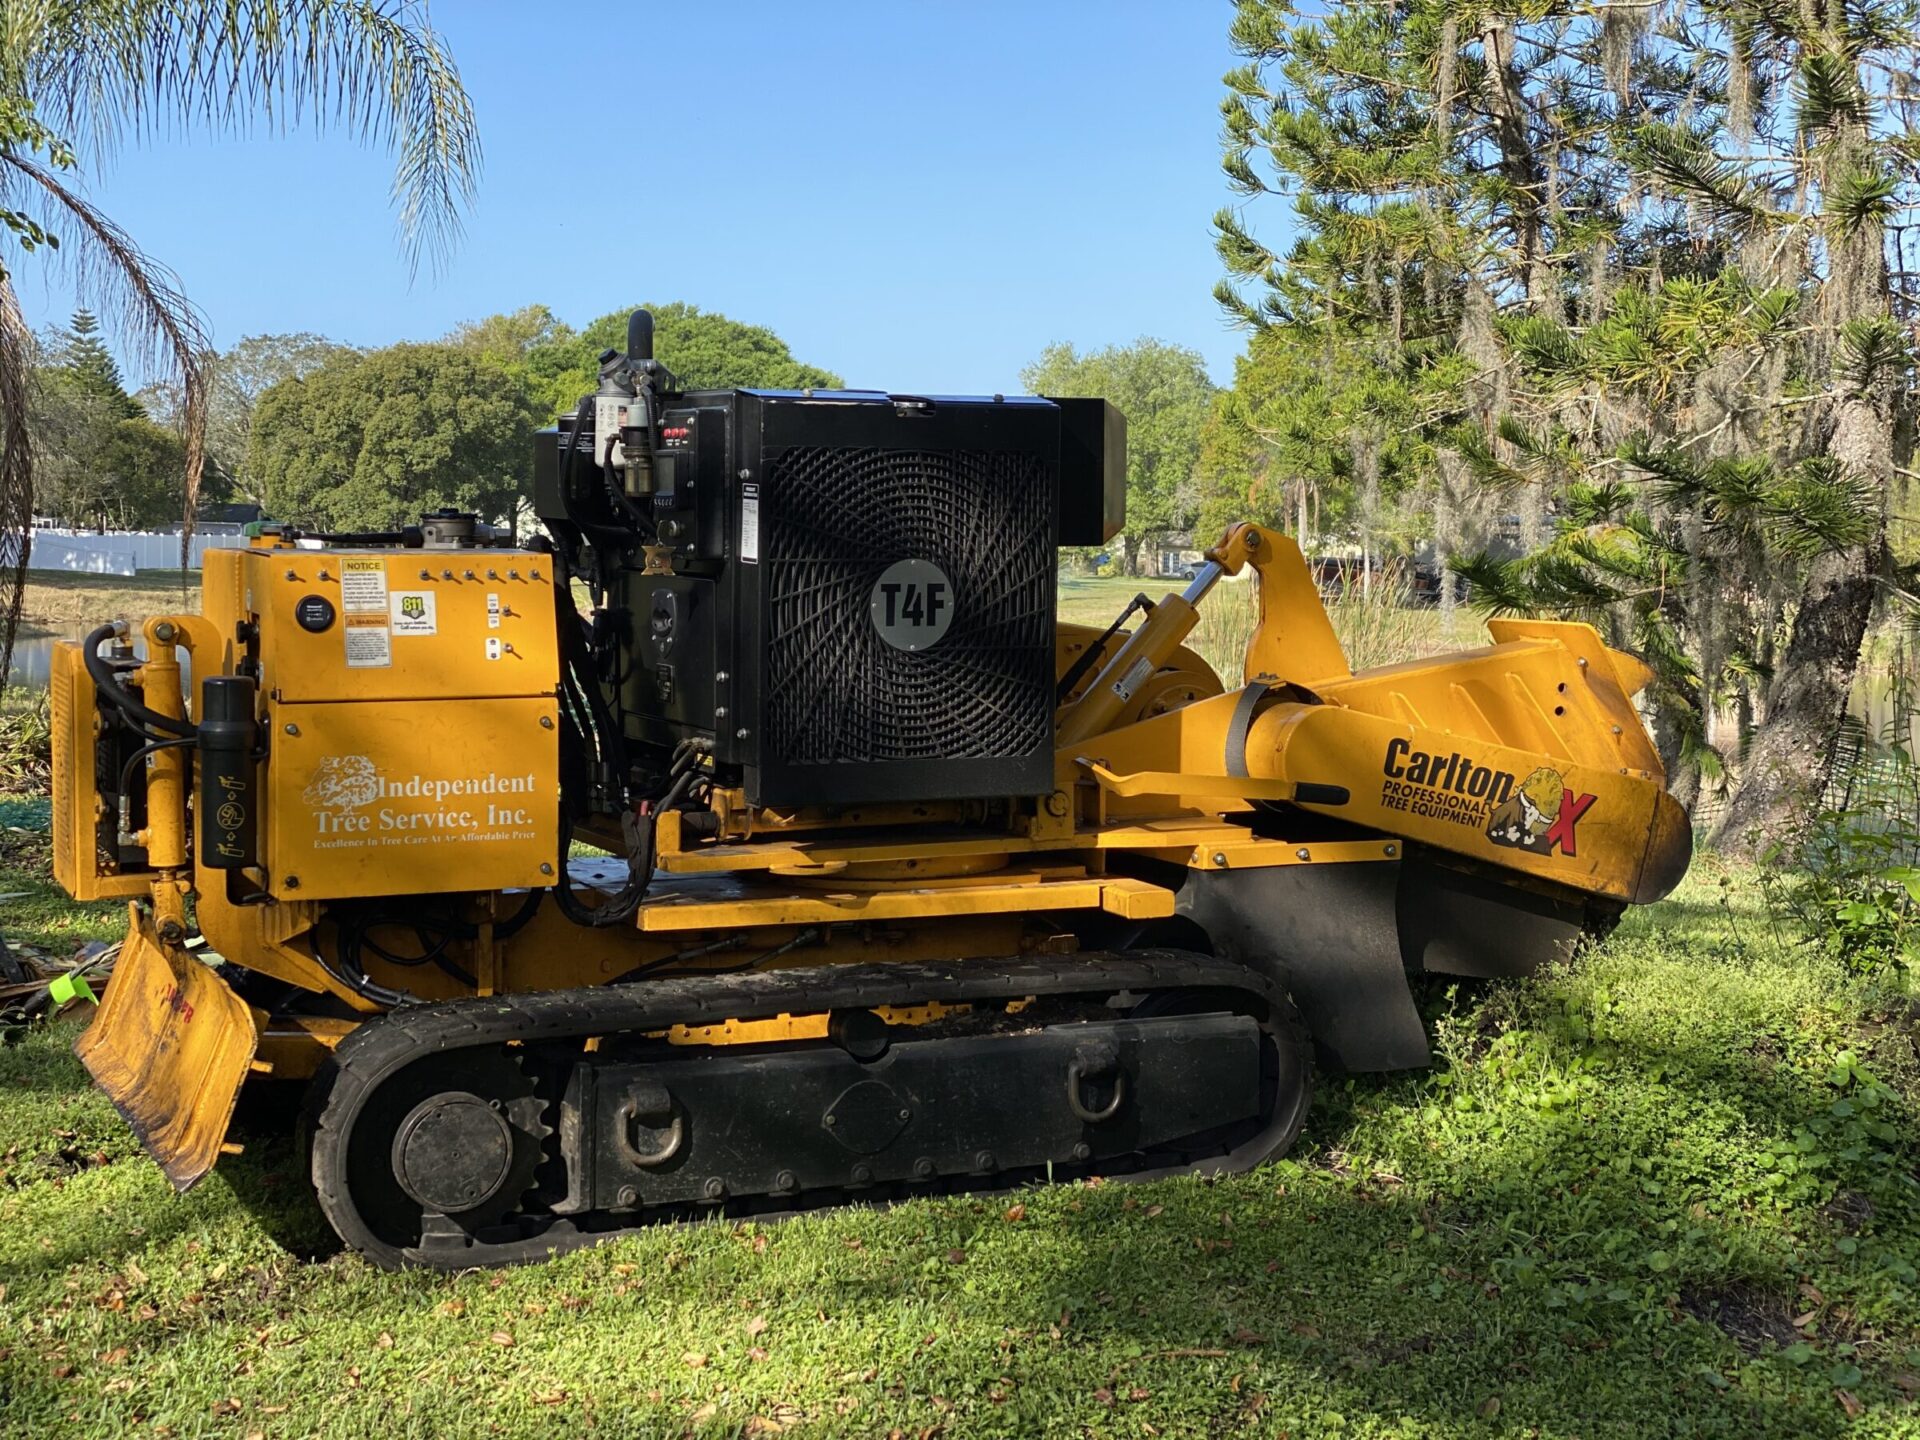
79,867
170,1046
390,624
412,798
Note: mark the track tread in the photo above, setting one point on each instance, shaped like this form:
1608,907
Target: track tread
381,1047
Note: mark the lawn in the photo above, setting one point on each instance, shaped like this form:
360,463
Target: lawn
1667,1191
56,604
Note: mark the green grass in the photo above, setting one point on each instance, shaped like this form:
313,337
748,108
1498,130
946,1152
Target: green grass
55,604
1601,1214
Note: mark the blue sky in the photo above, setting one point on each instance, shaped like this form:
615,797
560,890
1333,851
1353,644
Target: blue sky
917,195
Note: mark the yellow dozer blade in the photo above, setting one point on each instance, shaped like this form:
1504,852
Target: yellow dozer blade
170,1045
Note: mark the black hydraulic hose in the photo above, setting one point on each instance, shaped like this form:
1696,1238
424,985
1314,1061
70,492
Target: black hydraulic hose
152,746
107,683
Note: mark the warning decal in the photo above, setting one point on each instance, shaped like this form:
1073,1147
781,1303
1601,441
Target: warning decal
363,585
369,642
363,605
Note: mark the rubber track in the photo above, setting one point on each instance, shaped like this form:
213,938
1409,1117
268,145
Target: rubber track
380,1048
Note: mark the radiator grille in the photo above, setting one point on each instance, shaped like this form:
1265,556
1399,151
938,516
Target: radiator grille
836,692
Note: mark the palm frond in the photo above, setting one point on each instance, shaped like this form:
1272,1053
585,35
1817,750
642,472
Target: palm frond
16,469
139,297
100,70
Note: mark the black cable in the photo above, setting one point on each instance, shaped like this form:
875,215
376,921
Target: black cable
107,683
126,770
808,936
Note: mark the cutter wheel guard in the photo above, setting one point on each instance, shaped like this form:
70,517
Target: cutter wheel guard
900,885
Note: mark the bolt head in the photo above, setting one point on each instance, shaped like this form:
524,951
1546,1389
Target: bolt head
715,1188
1082,1151
293,882
786,1180
863,1174
628,1197
292,729
923,1167
1220,857
1393,849
546,722
545,868
1303,853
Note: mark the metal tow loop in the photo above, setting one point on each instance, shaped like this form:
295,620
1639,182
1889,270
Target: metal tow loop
1092,1061
657,1100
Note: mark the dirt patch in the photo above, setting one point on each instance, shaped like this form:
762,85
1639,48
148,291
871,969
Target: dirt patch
1753,1319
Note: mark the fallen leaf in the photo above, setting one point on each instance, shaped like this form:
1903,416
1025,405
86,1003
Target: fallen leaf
1138,1393
1801,1322
63,1372
114,1356
1103,1395
135,1274
624,1269
1812,1292
146,1312
756,1324
1906,1380
384,1340
1153,1210
761,1425
1850,1403
503,1338
550,1397
757,1353
956,1256
256,1435
454,1308
695,1360
1248,1337
1015,1214
1489,1407
705,1413
228,1406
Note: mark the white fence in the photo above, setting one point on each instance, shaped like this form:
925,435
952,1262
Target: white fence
81,552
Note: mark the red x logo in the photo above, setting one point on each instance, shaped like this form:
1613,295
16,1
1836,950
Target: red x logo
1560,833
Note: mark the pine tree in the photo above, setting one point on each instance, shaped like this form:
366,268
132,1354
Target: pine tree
1654,245
92,369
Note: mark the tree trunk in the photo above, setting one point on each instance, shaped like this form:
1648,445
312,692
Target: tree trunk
1787,766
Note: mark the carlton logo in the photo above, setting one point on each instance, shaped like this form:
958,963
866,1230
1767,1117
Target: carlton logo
1538,814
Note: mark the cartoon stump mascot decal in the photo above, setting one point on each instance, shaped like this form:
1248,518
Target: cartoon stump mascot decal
1540,815
1525,817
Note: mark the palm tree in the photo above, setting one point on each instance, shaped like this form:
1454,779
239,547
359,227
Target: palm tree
80,78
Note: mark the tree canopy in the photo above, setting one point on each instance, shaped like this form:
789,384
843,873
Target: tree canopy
369,441
705,349
1164,392
1623,274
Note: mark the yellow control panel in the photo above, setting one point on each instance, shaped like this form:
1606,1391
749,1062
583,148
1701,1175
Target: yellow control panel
408,698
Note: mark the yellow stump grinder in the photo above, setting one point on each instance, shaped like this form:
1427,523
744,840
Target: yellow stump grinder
815,861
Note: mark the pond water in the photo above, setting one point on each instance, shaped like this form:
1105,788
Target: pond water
33,655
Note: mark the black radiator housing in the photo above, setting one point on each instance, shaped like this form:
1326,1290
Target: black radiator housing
797,521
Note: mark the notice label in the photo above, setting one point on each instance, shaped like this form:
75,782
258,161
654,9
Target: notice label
493,612
369,642
750,524
413,613
363,585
